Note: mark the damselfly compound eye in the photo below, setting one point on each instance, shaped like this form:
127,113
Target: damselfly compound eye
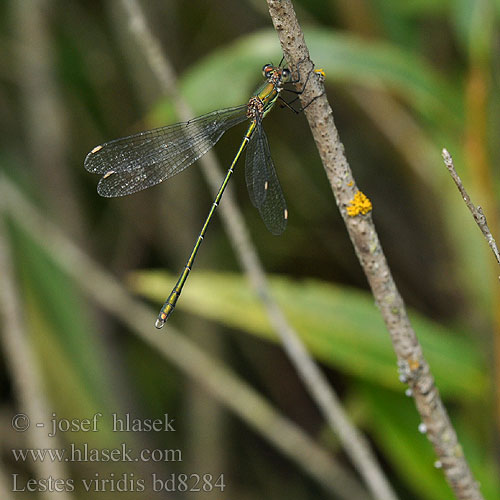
267,70
285,74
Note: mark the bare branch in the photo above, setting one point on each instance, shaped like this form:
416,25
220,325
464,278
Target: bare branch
415,369
476,211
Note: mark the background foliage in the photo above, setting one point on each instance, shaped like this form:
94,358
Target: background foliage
405,79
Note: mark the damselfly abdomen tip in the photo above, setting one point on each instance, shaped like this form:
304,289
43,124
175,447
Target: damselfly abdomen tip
159,323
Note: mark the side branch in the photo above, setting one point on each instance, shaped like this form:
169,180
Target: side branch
476,211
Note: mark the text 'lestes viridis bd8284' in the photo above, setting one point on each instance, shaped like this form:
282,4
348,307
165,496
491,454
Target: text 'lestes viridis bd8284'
142,160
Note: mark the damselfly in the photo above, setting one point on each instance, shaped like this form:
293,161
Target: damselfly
142,160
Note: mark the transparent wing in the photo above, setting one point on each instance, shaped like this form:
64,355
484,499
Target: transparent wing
262,182
256,171
142,160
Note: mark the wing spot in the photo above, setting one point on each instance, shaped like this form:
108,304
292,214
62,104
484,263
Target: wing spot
266,185
285,213
97,148
108,173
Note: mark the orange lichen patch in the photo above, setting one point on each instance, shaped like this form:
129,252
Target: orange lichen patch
360,204
413,364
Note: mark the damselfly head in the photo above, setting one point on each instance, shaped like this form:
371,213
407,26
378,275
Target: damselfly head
276,74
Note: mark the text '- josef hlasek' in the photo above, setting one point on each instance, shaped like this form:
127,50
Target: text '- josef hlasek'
119,423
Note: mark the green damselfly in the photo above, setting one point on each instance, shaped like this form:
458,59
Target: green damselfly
142,160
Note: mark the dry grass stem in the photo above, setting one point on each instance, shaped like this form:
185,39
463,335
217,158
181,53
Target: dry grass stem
24,369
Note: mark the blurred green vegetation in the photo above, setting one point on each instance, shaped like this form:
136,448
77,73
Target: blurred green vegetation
405,79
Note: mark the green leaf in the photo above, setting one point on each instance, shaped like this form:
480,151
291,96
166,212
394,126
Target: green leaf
393,423
226,77
481,457
340,326
475,25
62,336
